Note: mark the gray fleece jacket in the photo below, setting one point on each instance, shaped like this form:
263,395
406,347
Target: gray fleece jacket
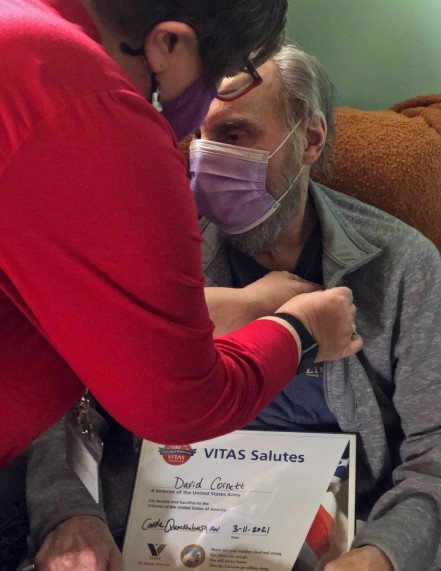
389,394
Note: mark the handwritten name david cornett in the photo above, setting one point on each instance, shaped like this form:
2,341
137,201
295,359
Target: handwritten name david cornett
216,484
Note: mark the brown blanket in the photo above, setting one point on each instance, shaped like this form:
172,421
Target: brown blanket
392,160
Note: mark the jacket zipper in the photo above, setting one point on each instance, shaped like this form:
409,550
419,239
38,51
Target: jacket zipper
350,389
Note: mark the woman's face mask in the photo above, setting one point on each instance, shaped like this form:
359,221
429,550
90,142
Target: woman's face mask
186,113
228,184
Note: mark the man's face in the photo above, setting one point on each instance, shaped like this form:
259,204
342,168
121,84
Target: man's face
254,121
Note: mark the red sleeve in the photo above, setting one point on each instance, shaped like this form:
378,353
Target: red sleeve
100,250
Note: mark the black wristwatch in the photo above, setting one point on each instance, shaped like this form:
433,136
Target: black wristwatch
310,346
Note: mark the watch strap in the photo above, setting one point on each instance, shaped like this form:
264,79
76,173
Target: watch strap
307,340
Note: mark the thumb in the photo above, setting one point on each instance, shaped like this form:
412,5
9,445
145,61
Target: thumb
115,561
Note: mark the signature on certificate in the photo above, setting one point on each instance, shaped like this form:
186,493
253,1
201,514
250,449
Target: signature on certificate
171,525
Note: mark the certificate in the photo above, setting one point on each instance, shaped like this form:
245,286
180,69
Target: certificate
248,501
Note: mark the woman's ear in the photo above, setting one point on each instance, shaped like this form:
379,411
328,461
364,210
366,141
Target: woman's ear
167,42
315,135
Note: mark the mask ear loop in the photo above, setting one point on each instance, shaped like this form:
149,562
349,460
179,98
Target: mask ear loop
279,200
127,49
285,139
156,93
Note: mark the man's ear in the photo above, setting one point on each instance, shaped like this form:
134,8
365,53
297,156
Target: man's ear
167,42
315,135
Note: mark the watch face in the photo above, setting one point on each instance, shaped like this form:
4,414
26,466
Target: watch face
308,357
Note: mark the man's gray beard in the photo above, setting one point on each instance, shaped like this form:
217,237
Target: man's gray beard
264,236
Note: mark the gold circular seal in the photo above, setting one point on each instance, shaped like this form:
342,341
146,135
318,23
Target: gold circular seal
193,555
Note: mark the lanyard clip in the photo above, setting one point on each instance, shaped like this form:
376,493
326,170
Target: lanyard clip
80,412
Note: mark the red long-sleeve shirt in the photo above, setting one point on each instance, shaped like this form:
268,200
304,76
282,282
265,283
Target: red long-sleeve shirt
100,264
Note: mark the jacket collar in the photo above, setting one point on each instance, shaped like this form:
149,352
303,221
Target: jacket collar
344,249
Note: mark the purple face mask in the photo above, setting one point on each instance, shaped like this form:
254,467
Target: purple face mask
228,184
185,114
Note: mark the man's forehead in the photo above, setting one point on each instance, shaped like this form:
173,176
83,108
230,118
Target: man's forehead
227,117
254,108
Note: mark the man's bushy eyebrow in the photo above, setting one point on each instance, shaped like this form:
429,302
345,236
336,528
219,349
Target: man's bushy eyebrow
223,126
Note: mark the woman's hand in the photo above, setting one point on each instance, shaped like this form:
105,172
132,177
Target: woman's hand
329,317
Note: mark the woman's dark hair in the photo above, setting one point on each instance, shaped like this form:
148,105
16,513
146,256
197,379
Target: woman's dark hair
229,31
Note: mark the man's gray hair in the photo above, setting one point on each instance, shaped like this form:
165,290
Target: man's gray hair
306,92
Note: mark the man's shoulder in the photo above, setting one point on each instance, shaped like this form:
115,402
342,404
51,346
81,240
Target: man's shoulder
377,227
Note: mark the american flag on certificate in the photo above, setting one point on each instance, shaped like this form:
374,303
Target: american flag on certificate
329,534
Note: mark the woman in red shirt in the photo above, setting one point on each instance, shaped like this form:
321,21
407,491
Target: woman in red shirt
100,266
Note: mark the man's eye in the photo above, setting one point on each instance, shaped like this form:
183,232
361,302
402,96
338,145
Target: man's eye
233,137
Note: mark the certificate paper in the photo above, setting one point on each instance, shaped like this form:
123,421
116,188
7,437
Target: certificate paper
248,501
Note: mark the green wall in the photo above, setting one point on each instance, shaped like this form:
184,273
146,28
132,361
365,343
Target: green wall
377,52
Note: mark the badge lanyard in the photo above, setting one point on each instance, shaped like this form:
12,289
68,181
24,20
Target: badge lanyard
84,447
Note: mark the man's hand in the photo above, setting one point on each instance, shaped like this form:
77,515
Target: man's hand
368,558
231,308
269,292
329,317
81,543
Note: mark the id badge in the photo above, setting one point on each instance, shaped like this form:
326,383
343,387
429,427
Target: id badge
84,448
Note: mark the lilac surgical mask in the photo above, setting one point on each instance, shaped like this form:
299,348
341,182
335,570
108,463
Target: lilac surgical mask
228,184
185,114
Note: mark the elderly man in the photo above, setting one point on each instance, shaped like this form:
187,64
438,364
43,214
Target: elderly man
388,394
